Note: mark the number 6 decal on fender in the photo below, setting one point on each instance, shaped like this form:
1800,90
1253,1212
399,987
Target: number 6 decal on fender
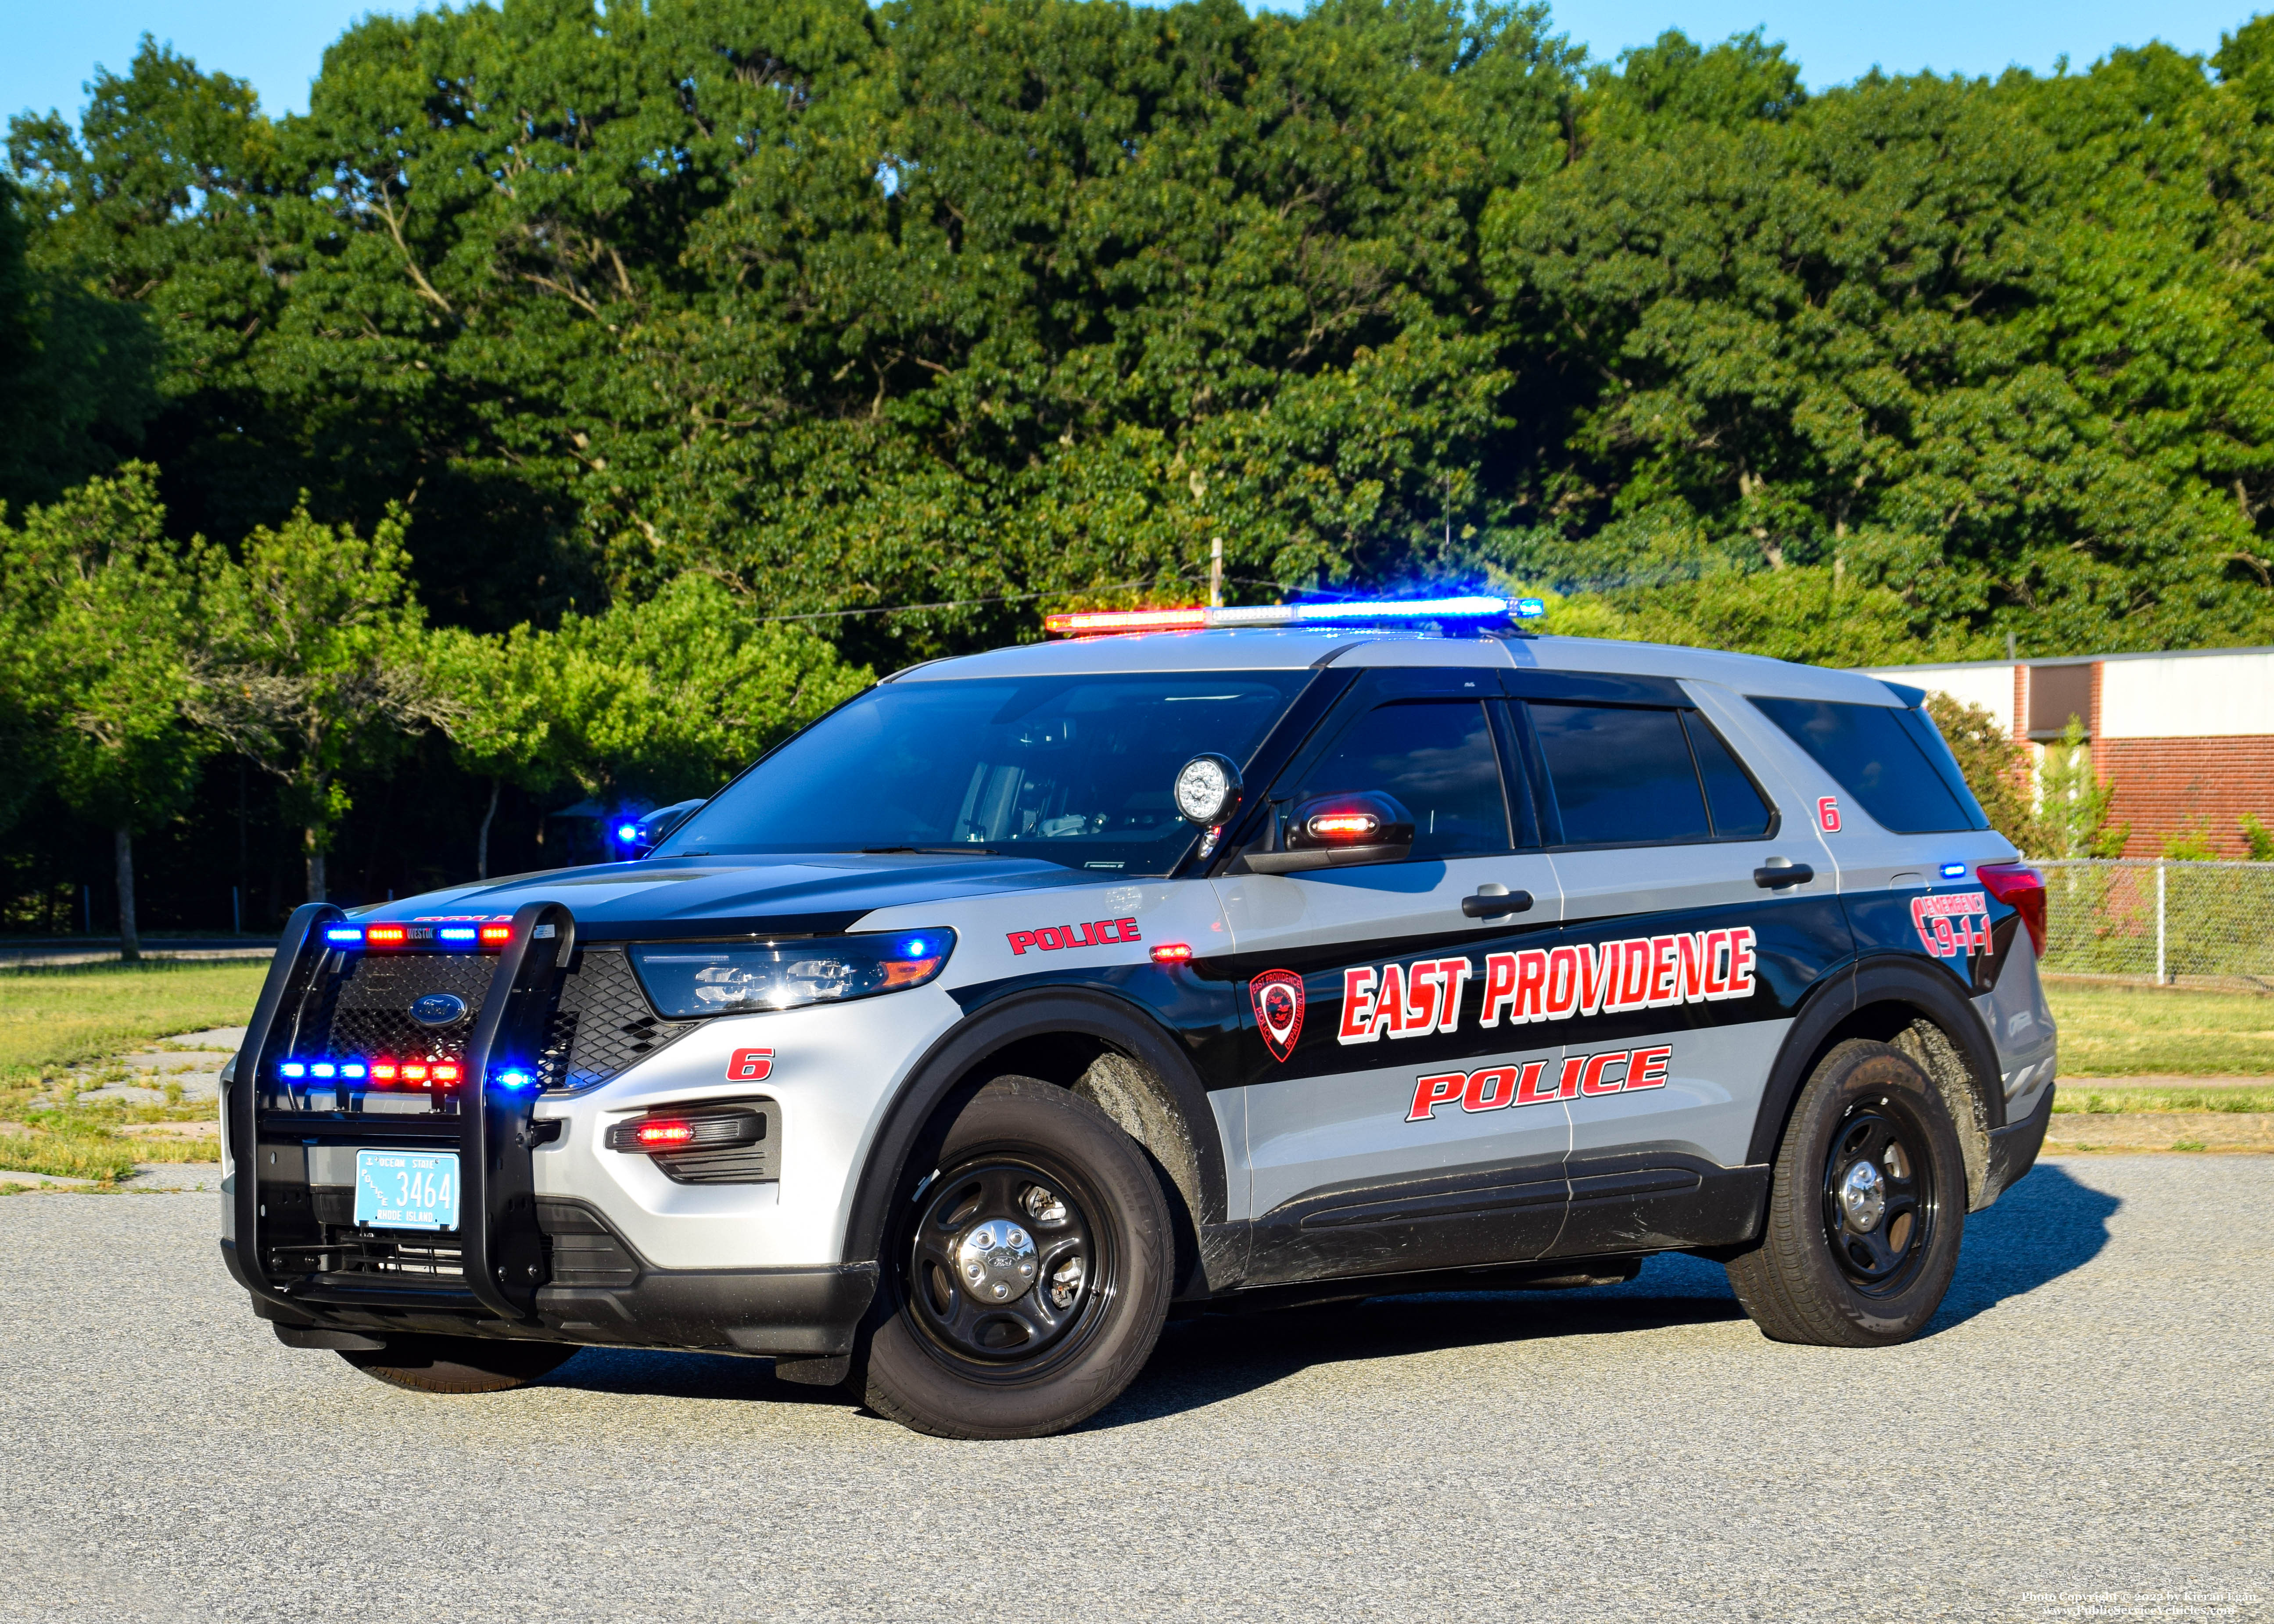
750,1065
1827,814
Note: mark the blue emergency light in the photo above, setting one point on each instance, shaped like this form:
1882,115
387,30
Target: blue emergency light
1363,611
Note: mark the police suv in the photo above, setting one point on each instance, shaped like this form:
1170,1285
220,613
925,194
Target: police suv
1201,957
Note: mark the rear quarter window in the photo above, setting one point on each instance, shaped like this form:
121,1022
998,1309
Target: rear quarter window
1891,762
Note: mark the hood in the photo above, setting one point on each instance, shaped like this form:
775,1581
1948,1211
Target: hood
679,896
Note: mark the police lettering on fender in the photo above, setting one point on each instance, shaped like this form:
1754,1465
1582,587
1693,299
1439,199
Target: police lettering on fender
1538,984
1094,933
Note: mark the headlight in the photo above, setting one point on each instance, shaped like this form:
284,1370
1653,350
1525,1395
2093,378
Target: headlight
703,978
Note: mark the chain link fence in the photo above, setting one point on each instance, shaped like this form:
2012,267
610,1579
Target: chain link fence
2159,919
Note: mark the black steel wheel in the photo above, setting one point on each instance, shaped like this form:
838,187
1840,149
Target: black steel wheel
1867,1206
1880,1203
459,1364
1004,1266
1028,1278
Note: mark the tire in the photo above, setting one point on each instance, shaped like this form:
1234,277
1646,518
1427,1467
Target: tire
1025,1275
1867,1206
459,1364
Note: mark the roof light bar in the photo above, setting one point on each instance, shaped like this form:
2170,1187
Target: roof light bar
1095,622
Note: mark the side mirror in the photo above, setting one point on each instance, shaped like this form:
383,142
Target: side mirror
1208,789
648,831
1338,831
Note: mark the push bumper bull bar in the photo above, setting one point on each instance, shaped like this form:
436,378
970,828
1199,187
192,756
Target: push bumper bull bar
504,1288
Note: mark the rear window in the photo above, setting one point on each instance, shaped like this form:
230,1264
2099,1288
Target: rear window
1891,761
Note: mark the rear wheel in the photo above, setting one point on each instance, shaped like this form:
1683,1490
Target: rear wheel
1866,1207
1027,1278
458,1363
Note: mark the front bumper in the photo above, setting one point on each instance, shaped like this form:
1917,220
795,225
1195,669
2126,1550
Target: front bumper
790,1313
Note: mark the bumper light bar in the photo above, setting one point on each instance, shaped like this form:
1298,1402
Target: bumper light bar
409,1074
463,938
1098,622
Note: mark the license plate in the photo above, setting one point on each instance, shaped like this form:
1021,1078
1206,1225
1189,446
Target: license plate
406,1189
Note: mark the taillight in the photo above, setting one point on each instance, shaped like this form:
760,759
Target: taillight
2021,889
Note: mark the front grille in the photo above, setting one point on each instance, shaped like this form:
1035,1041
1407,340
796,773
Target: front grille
366,1009
601,1022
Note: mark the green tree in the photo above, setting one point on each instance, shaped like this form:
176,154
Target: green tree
1996,769
668,699
103,606
2074,804
497,716
313,664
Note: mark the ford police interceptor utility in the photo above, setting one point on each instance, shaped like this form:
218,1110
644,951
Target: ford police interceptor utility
1247,956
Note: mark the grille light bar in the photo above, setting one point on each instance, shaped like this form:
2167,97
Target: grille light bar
451,938
1095,622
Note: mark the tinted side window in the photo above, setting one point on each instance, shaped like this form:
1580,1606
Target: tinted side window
1434,757
1737,807
1875,759
1622,774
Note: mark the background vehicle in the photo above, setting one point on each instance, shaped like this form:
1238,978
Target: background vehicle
1032,994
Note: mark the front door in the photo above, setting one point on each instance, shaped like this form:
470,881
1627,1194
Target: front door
1400,1115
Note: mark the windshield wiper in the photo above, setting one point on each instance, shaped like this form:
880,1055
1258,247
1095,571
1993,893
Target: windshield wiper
930,851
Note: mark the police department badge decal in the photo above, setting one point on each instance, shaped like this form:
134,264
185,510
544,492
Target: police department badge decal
1278,995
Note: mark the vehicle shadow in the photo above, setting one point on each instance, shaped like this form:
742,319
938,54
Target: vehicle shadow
2047,1226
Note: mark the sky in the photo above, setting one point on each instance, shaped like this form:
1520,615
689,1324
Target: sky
52,45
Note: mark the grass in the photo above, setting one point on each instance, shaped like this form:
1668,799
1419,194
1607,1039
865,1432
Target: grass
2098,1102
2133,1032
51,1018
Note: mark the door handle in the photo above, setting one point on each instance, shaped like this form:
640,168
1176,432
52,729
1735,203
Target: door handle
1486,904
1779,872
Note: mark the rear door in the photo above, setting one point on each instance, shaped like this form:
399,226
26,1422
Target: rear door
1383,1069
1693,936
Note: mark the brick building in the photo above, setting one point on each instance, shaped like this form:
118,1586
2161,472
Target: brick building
2185,737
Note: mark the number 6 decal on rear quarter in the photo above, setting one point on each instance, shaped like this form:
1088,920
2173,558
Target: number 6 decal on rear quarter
750,1065
1827,814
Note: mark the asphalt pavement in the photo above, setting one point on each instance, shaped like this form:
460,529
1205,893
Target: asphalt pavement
2087,1430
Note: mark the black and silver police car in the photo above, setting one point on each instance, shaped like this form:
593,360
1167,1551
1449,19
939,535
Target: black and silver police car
1033,996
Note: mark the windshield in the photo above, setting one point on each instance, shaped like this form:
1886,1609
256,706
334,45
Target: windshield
1072,770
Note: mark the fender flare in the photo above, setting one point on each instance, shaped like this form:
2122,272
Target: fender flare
1890,978
1122,1026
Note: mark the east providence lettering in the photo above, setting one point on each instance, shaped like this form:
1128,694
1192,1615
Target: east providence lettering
1540,984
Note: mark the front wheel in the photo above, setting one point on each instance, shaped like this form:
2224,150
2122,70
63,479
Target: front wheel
1867,1205
459,1364
1026,1275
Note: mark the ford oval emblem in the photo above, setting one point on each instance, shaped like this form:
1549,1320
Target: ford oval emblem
437,1009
